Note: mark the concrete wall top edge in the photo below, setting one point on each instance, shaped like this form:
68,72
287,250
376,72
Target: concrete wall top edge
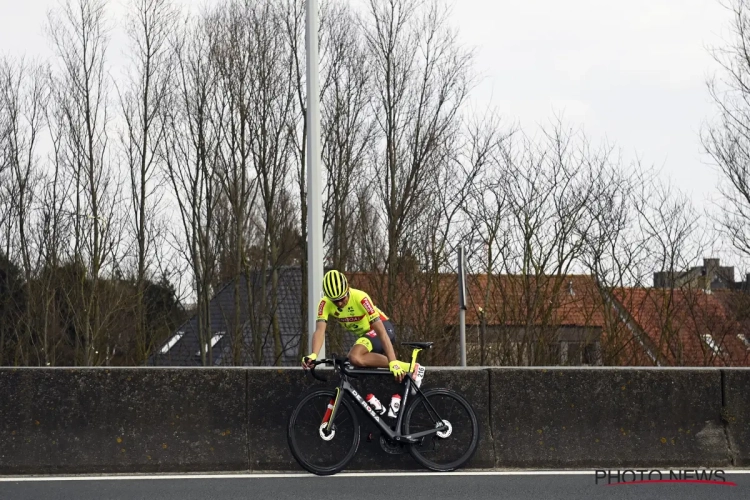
439,368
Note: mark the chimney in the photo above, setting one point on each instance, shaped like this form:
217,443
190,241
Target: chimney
660,279
710,267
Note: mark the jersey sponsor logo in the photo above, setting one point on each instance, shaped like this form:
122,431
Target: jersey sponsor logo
321,306
368,306
352,319
371,333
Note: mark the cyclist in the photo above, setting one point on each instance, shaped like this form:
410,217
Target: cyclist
355,311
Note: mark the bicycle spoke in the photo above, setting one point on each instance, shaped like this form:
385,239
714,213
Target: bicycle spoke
323,451
314,412
460,438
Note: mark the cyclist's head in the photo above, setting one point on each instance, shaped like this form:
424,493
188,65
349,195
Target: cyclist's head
335,286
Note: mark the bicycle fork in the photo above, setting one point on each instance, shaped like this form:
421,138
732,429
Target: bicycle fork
330,414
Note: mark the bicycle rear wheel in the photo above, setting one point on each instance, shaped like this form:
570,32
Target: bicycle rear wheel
446,450
316,450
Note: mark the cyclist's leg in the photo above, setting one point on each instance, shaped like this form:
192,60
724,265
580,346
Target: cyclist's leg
377,344
391,331
361,354
368,351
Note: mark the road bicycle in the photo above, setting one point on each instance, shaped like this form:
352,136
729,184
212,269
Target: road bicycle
437,426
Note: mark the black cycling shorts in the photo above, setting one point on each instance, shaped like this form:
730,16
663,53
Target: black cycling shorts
373,343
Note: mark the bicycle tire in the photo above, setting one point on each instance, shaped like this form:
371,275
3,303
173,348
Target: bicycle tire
450,406
309,447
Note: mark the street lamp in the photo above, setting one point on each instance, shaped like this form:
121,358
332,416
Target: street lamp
314,201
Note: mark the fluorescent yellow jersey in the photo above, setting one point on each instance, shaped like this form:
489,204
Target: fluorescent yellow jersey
356,316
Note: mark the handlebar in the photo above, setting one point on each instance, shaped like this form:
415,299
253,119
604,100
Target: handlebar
333,361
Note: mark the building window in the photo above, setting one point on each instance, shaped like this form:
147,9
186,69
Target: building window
575,353
214,340
171,342
591,354
580,353
709,340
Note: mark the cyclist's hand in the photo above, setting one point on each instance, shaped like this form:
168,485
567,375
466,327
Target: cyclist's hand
397,370
307,361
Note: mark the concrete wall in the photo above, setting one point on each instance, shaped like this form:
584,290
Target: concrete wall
607,418
212,419
735,413
124,420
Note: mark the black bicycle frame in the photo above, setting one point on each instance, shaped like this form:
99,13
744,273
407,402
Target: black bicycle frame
345,386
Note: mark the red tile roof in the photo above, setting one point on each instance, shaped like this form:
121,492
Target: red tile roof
678,323
641,327
504,299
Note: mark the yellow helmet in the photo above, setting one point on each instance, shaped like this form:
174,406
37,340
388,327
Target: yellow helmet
335,285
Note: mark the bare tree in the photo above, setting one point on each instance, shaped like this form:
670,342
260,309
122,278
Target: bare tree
532,215
23,95
235,124
5,153
728,141
190,154
614,254
54,230
348,127
675,240
673,229
466,159
272,109
421,81
148,84
294,30
233,54
486,211
79,34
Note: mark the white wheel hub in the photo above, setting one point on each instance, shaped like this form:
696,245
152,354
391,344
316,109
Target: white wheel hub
447,432
327,437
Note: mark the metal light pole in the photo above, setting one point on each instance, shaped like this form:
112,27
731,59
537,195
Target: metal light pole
462,301
314,201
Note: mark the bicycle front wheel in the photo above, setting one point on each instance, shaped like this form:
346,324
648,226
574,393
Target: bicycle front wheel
317,450
449,449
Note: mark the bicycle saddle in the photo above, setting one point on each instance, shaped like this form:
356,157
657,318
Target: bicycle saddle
419,345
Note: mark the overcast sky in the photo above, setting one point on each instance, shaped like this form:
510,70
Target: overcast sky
632,72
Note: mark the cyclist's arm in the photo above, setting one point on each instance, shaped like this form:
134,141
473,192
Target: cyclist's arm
377,325
320,326
320,335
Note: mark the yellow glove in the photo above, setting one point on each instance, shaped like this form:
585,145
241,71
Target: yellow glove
311,357
396,368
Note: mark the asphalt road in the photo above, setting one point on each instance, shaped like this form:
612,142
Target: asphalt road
427,486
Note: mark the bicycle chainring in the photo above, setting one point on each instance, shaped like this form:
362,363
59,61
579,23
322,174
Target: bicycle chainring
391,447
